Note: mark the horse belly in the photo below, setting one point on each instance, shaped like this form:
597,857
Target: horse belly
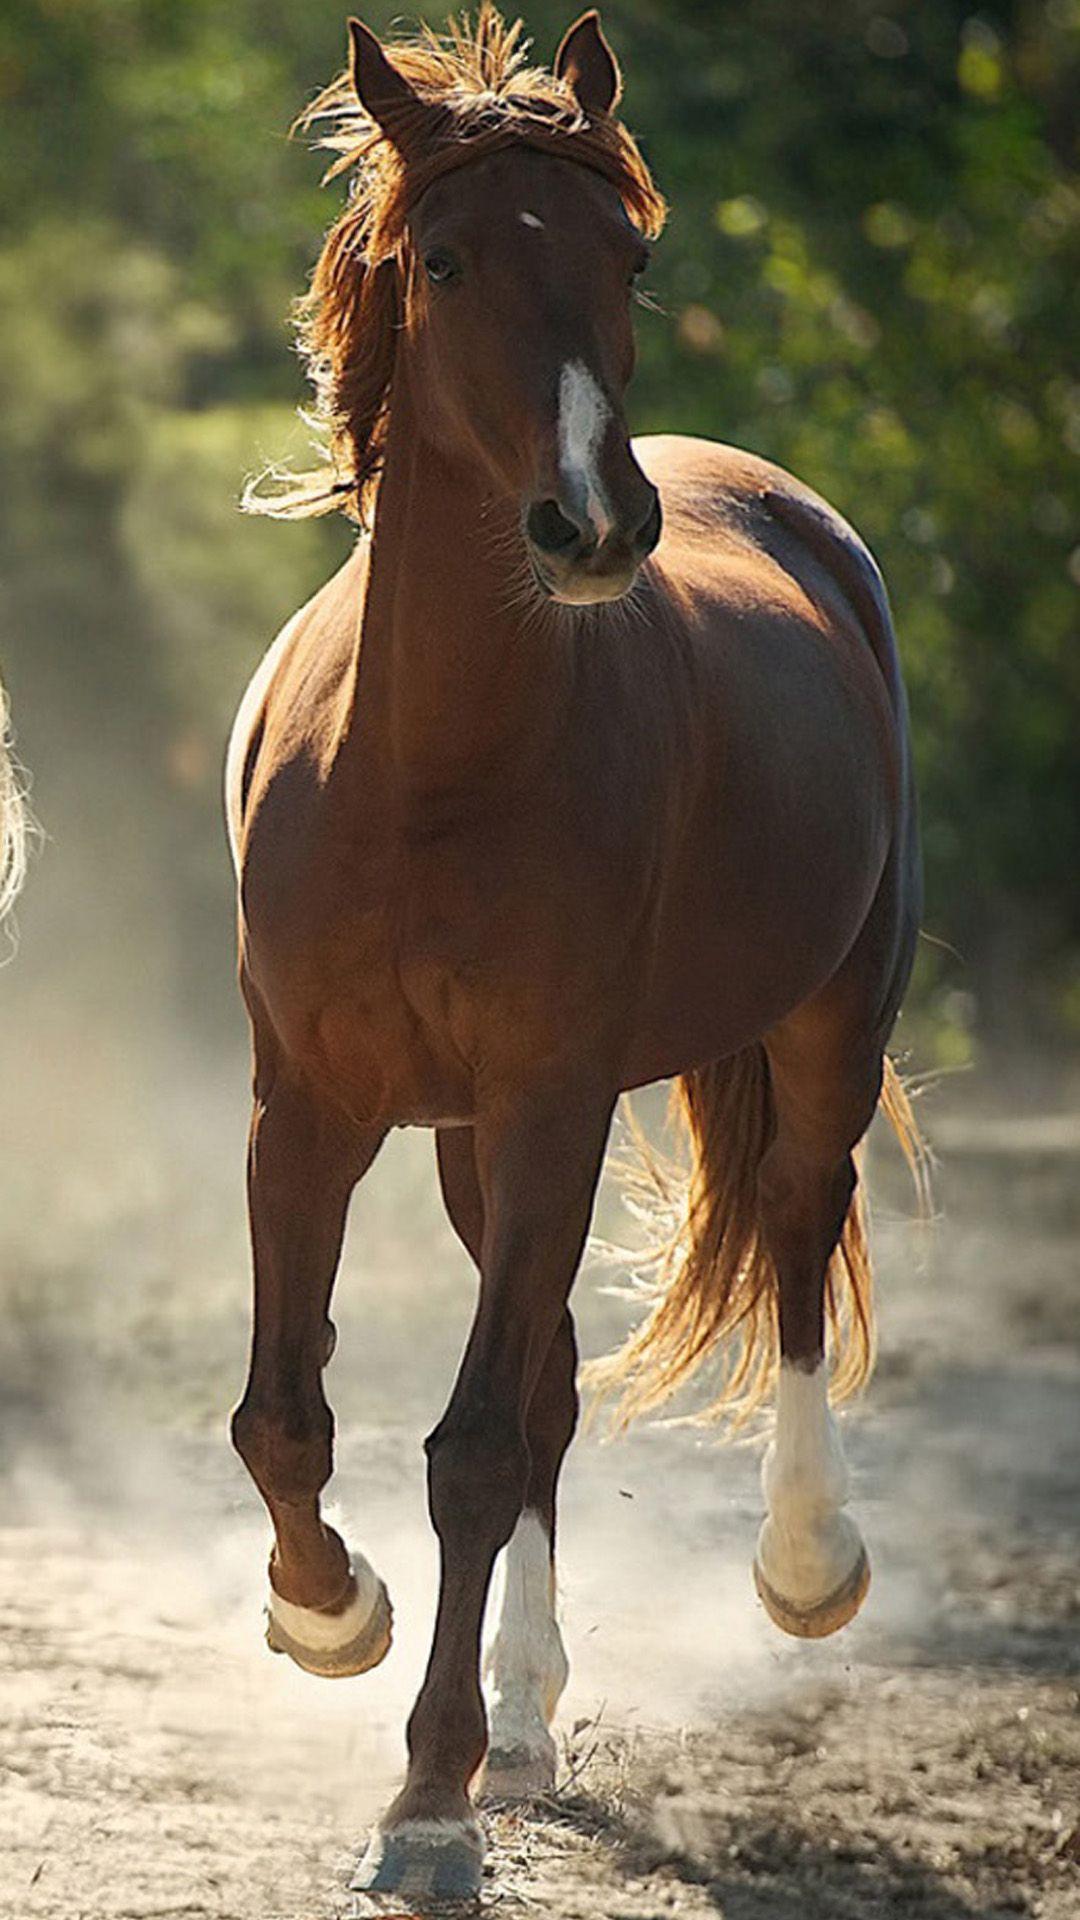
756,921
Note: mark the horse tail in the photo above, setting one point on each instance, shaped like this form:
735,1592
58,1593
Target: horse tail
712,1278
13,818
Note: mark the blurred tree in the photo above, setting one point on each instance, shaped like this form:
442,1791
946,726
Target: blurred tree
869,275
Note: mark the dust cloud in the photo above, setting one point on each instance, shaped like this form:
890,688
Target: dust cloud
140,1707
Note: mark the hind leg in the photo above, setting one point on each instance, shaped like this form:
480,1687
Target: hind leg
328,1610
811,1569
525,1664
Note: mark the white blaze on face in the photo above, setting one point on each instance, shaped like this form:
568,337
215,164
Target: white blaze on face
532,220
583,417
525,1665
808,1547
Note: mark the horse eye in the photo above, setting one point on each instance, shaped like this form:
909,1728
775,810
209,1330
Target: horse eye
440,267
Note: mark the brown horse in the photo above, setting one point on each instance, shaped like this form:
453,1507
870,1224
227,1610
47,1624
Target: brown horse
535,802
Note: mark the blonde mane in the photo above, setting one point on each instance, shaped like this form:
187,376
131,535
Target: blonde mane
486,97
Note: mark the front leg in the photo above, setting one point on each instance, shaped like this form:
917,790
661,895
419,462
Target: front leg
538,1166
327,1610
525,1664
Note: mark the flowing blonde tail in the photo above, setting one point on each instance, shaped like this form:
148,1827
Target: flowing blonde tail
712,1277
13,819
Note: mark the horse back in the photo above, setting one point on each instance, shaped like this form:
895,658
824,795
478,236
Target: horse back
739,510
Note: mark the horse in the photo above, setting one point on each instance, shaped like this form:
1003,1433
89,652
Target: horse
588,769
13,820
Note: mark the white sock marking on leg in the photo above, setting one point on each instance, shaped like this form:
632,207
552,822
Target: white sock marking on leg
327,1632
808,1545
525,1665
583,418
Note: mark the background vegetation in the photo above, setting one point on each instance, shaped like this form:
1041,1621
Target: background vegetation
870,275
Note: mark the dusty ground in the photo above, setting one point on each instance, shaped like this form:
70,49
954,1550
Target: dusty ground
156,1761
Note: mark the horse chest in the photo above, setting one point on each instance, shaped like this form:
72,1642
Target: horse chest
398,982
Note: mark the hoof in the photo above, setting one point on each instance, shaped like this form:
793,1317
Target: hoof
335,1645
423,1860
828,1616
517,1773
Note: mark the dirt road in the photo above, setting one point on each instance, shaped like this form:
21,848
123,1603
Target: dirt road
156,1761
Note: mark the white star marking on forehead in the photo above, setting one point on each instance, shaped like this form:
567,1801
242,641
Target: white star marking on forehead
532,220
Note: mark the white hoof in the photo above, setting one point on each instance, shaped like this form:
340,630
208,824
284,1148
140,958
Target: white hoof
351,1639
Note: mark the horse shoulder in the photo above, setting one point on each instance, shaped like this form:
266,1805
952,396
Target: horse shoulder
309,649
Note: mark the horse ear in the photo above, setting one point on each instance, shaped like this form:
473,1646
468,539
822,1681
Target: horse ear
382,91
586,61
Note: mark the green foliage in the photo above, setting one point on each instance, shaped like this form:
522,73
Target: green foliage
870,275
179,515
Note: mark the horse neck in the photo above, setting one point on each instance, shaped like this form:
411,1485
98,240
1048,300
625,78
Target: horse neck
462,675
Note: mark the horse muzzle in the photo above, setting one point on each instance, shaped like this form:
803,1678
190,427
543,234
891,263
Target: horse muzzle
576,564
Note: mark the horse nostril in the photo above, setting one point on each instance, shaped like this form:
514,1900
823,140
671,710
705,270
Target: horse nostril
550,530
